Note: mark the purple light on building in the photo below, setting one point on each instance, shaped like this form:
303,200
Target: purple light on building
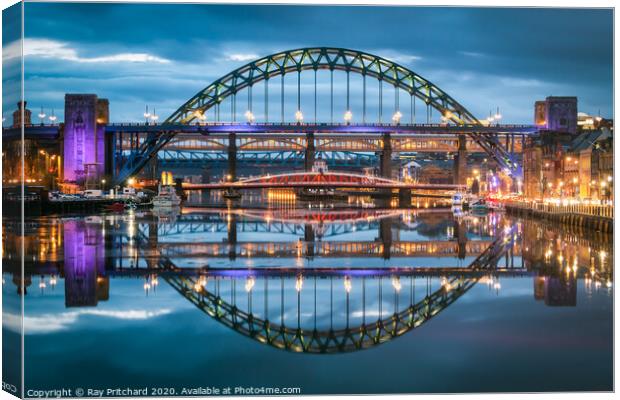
84,261
83,141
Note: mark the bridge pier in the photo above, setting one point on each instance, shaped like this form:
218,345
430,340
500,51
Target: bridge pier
460,162
461,238
385,163
232,157
231,228
153,234
309,240
385,236
310,152
232,165
151,168
404,197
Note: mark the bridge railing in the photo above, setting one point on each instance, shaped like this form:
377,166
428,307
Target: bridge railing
227,123
592,210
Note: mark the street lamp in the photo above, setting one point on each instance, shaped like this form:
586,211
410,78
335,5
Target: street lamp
348,116
202,117
299,116
42,116
575,188
249,116
396,117
347,284
154,117
498,116
52,117
147,115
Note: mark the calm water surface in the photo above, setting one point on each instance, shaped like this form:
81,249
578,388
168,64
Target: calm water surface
329,300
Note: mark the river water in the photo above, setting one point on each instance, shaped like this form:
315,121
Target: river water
350,298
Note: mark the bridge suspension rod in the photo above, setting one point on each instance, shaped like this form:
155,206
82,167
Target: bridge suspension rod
267,100
282,97
299,90
364,98
348,91
331,79
233,107
315,106
412,108
380,100
396,100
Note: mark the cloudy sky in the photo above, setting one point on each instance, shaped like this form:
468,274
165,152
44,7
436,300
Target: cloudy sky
161,55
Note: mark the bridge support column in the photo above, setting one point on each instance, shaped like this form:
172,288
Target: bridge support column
232,236
461,238
460,162
310,152
151,168
232,165
404,197
385,236
309,240
385,163
232,157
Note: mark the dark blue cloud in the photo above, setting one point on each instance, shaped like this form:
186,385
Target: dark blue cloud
483,57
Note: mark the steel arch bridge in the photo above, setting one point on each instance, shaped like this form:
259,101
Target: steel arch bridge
329,341
318,58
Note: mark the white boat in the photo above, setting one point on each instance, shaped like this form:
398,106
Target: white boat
457,199
166,197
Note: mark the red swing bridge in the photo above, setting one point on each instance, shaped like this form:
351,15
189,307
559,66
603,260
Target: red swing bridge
319,180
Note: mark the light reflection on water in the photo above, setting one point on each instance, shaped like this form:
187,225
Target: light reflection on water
256,281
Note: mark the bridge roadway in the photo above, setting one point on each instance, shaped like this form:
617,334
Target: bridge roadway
362,128
56,269
321,142
319,180
331,249
51,132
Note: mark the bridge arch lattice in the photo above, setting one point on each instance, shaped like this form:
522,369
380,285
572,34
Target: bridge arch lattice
315,58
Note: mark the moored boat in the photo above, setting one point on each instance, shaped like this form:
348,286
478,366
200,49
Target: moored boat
166,197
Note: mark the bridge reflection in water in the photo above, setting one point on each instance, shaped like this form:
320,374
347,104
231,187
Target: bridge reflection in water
311,309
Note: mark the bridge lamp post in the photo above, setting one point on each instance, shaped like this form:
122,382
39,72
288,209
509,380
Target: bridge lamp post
604,191
299,117
202,117
249,116
147,115
497,116
348,116
575,187
42,116
52,117
396,117
154,117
